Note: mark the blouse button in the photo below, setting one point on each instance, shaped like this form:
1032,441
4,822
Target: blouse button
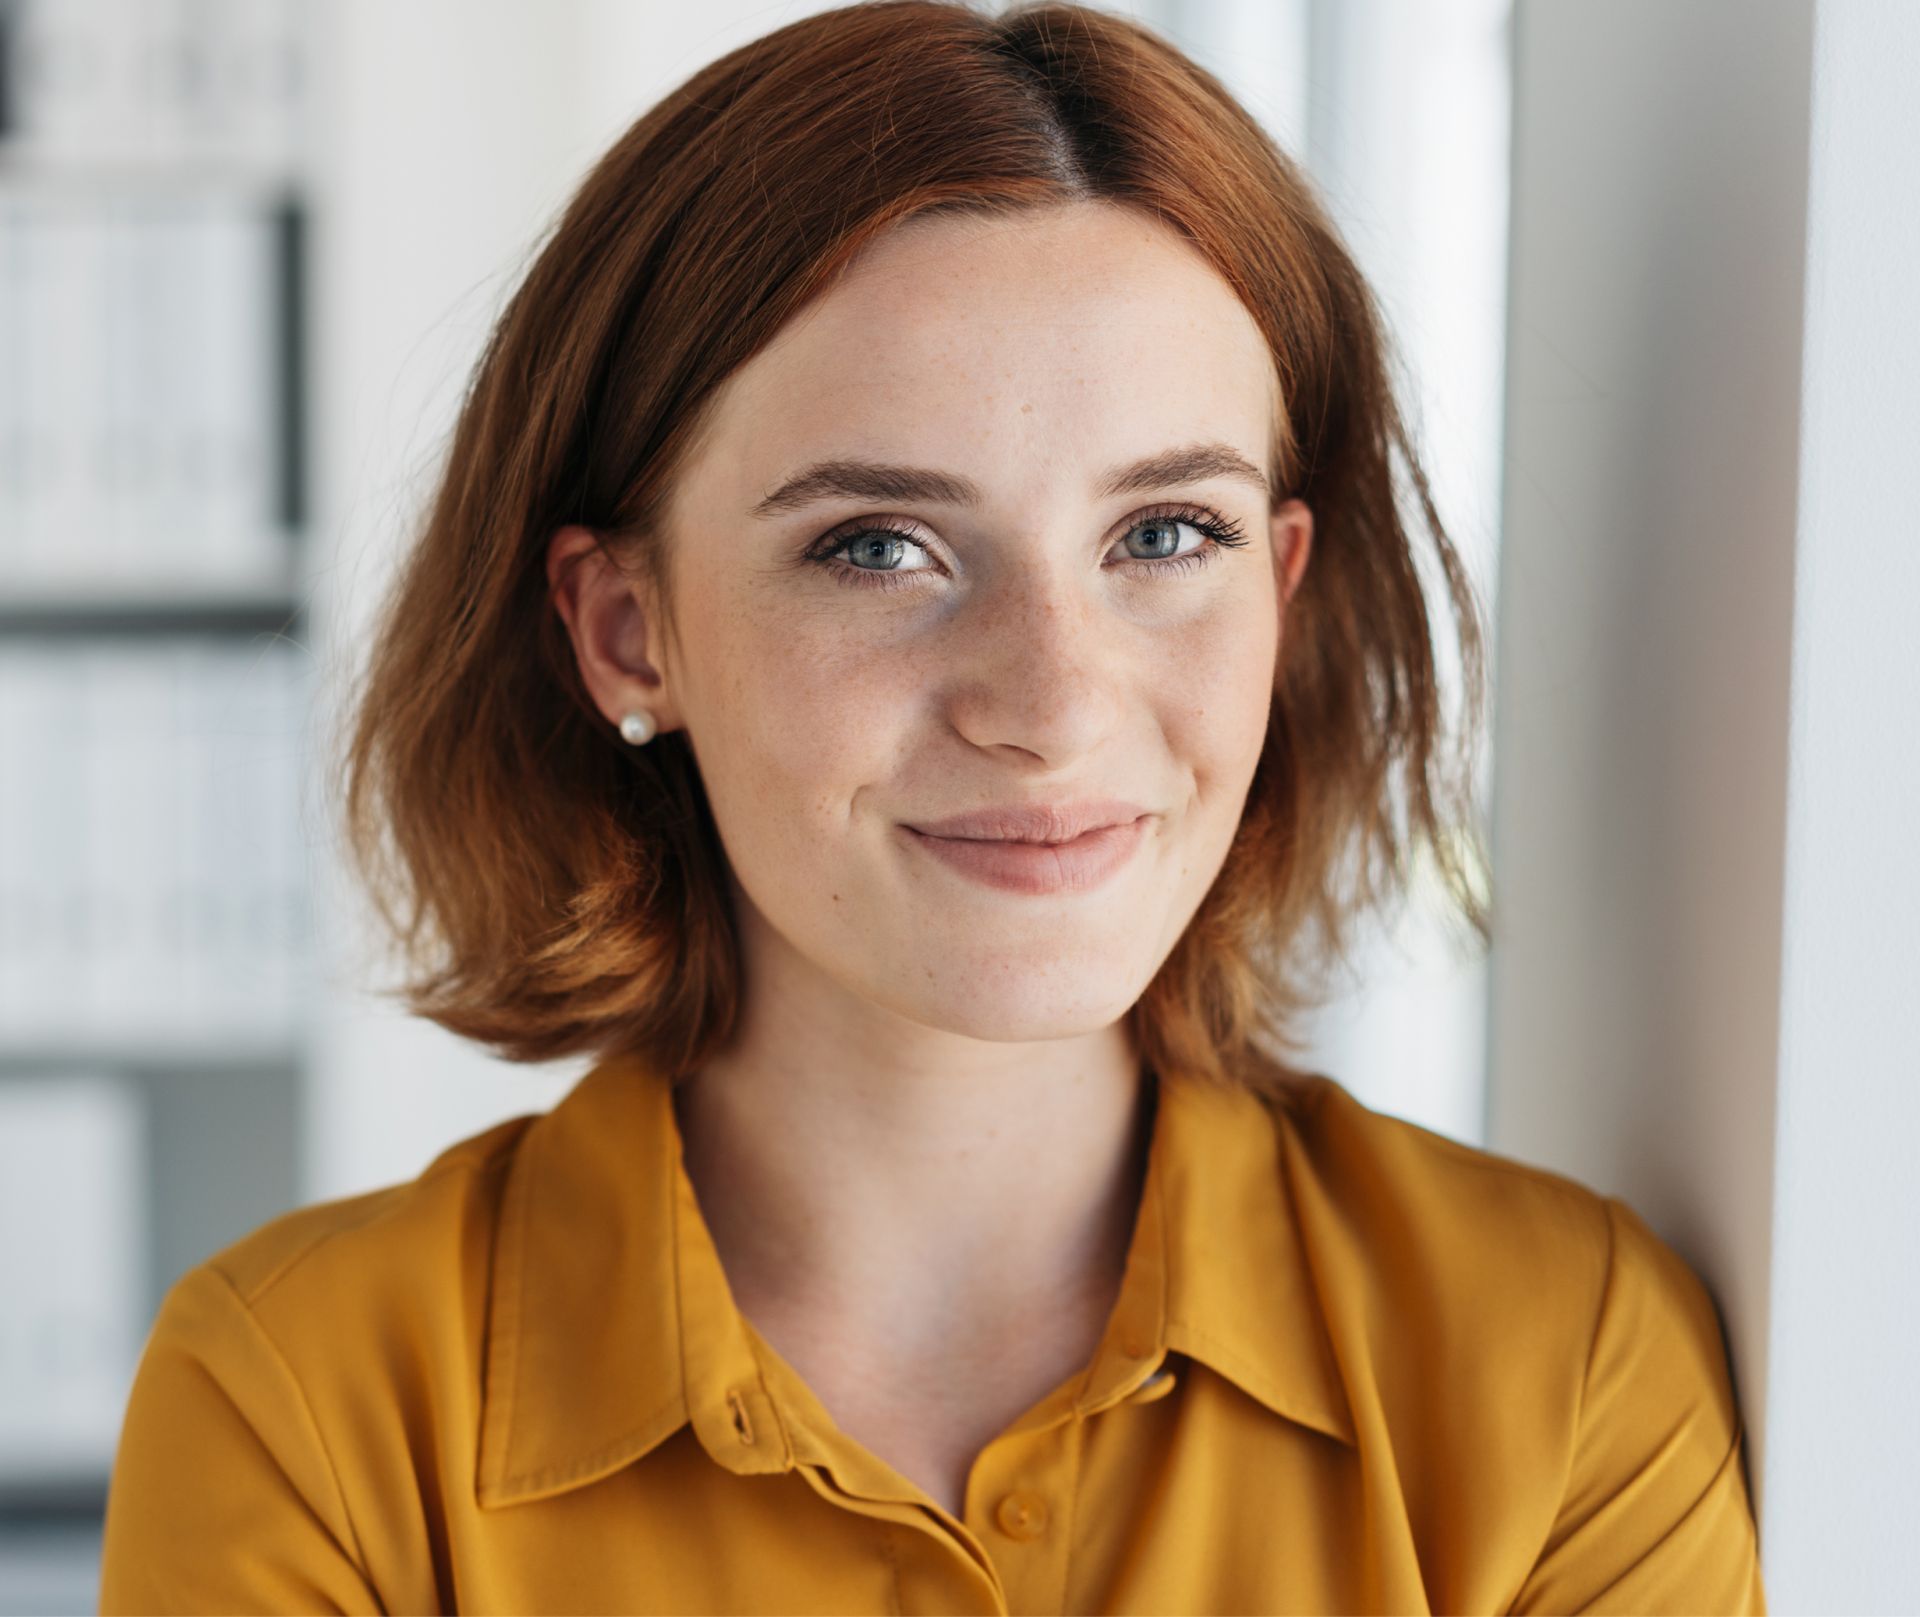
1022,1514
1155,1386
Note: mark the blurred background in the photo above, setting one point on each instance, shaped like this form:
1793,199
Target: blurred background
249,250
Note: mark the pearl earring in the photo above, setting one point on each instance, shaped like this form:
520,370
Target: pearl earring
638,727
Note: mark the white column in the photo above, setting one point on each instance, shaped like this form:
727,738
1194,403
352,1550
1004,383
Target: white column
1707,764
1843,1335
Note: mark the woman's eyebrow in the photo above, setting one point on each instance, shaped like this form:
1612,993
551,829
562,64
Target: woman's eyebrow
873,480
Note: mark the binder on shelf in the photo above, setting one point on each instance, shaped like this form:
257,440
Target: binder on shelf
44,926
73,1268
153,748
132,982
147,399
20,875
235,320
151,881
15,428
160,83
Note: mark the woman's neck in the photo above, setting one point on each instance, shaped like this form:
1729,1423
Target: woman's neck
920,1219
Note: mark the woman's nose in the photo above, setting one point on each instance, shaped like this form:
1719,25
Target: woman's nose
1040,669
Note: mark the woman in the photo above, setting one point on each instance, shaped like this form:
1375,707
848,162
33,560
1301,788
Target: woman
914,665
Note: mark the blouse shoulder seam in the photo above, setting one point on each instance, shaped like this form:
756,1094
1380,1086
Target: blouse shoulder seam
1599,1314
259,1330
1474,1156
378,1203
1586,1369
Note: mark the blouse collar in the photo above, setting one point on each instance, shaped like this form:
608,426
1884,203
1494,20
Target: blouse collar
610,1323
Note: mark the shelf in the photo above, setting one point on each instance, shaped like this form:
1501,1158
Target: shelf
50,1564
23,175
206,1052
154,626
68,615
63,1496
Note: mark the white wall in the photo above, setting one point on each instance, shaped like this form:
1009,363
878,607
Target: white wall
1843,1340
444,137
1706,762
1659,211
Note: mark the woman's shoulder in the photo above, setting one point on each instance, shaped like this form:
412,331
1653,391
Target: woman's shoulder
1521,1247
390,1282
1499,1268
1495,1305
1482,1305
1417,1201
408,1230
297,1387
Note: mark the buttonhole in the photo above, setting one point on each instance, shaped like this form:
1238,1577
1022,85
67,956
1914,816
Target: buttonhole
741,1423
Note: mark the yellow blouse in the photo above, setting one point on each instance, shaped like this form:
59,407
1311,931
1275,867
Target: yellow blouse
1354,1366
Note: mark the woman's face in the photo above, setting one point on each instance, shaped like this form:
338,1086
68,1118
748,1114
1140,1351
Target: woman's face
991,627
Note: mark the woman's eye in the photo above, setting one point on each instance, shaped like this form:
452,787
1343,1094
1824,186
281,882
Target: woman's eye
1163,537
878,549
873,552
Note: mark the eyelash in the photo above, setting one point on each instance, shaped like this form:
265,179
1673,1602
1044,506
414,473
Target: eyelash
1222,533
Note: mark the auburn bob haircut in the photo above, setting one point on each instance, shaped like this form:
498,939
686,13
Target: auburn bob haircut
555,891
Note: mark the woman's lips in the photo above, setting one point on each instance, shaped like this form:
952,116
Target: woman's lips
1038,867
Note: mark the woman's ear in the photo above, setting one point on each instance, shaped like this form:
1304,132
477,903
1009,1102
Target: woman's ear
607,623
1292,543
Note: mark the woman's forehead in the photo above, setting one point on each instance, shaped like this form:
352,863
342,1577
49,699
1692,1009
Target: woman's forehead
1087,277
1094,363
